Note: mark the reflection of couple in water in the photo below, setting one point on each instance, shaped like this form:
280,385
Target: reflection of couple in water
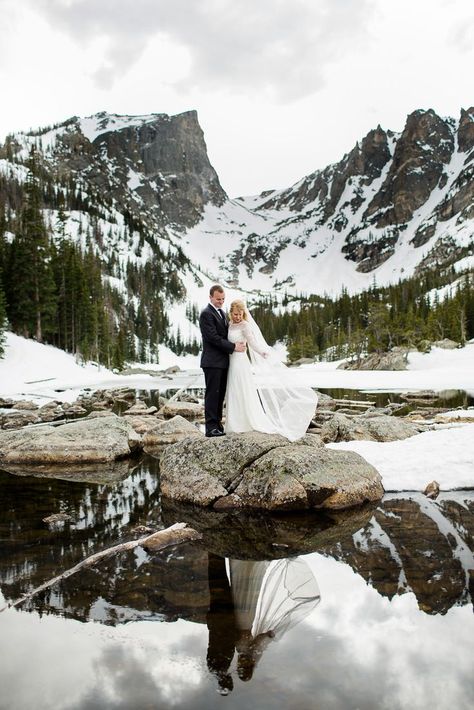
251,605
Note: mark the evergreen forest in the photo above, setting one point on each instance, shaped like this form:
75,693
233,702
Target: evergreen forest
58,289
409,314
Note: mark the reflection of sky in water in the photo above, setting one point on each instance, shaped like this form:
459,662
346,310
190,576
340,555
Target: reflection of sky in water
357,649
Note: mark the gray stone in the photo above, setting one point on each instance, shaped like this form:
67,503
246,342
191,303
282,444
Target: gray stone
139,371
100,414
432,490
121,393
86,440
170,431
50,412
446,343
140,408
26,405
142,423
325,401
17,420
377,361
367,427
74,410
303,361
187,397
188,410
424,346
101,406
263,471
298,477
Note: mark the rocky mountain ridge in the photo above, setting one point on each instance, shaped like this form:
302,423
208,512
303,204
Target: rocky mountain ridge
395,205
145,193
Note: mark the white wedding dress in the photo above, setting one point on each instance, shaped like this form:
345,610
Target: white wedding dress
272,595
260,395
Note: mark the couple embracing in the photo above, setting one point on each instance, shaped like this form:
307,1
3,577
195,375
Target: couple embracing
239,367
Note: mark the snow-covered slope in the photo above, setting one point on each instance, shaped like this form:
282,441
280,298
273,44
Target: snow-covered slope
398,203
146,196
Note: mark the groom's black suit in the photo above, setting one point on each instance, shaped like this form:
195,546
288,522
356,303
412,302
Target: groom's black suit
215,363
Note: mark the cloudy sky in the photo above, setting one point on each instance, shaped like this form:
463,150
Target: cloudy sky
282,87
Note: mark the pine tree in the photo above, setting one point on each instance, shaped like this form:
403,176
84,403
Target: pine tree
3,319
32,294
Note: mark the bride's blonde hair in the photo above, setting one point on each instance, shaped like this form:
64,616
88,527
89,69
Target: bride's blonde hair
238,305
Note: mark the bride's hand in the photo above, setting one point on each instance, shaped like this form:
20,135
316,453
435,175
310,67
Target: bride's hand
240,347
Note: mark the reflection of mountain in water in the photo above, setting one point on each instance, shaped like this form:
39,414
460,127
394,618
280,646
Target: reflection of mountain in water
32,552
414,544
405,543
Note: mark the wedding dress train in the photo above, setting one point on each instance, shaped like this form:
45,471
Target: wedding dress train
260,393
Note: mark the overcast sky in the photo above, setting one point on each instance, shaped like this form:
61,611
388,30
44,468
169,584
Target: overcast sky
282,87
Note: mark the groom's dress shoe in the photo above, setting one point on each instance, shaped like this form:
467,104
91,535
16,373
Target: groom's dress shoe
215,432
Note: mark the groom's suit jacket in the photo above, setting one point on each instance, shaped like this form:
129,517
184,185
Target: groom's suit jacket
215,346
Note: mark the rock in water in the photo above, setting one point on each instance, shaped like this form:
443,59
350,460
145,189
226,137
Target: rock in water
367,427
263,471
103,439
188,410
432,490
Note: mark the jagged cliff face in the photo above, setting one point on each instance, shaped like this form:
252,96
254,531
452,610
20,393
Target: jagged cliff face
396,204
129,187
155,166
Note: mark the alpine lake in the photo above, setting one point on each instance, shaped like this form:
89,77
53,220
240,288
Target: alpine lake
365,609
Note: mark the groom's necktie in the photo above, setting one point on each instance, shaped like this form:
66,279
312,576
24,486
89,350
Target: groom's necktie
221,313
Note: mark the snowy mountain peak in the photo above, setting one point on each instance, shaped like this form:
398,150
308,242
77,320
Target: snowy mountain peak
396,204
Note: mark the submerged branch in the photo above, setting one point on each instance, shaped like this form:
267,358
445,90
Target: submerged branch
174,535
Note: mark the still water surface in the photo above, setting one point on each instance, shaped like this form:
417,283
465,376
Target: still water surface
368,609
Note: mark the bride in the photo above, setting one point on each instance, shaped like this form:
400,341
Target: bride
260,395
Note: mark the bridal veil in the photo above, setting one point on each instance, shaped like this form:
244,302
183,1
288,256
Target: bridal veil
289,405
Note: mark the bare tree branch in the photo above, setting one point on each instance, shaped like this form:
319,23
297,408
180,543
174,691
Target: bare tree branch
174,535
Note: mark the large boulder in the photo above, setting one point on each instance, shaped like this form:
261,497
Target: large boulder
266,472
100,439
377,361
367,427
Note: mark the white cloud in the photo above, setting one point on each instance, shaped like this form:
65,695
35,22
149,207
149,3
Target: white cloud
280,47
282,87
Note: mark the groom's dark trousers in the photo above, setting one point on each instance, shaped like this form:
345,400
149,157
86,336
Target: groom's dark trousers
215,363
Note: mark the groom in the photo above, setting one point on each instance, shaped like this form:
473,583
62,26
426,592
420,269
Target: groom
215,358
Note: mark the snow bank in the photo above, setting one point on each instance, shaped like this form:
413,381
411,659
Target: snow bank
437,370
443,455
41,372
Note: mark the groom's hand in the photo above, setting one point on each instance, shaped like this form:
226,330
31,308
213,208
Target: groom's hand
240,347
